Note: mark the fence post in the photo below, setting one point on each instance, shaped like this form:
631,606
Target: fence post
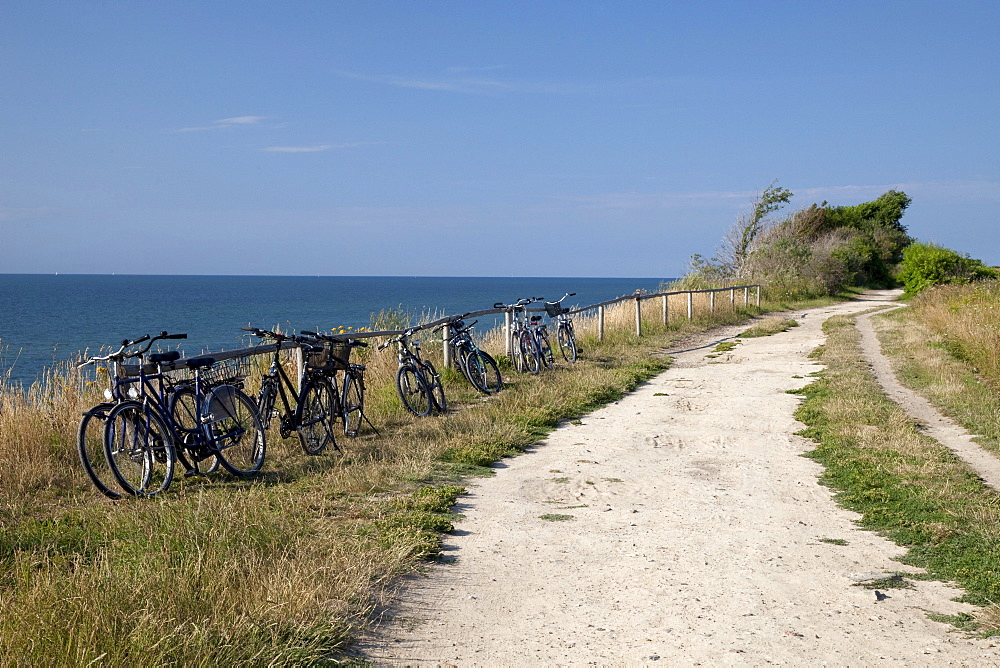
758,295
711,302
445,338
690,305
746,296
507,333
600,323
300,366
666,311
732,298
638,316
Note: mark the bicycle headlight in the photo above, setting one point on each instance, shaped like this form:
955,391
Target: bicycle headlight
133,392
108,394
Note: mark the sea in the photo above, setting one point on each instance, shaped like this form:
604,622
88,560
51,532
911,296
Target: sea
47,319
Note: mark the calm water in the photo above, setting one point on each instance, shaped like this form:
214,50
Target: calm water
51,318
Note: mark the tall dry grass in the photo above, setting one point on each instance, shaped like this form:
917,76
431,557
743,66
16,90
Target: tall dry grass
967,317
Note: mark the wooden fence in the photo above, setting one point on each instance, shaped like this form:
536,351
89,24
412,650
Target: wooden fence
637,298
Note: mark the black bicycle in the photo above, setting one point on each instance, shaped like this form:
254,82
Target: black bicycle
417,381
335,357
475,364
565,337
308,410
147,427
90,434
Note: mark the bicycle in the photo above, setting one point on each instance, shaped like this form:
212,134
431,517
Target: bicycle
144,431
417,381
475,364
565,336
526,350
90,434
540,333
307,410
334,357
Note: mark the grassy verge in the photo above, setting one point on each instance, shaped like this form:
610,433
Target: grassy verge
904,485
282,569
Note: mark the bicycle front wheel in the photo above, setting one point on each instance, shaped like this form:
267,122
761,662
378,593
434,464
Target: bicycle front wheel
567,343
434,383
138,449
530,358
233,428
90,447
316,414
352,404
413,390
483,372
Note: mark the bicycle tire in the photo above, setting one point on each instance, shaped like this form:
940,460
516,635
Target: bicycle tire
545,351
567,343
234,430
139,449
413,390
315,415
265,401
90,447
352,404
483,372
434,384
184,412
528,351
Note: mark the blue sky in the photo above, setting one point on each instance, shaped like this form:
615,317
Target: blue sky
478,138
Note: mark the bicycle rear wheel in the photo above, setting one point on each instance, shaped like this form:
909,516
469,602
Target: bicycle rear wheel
184,411
90,447
483,372
315,416
413,390
567,343
233,428
352,404
138,448
545,352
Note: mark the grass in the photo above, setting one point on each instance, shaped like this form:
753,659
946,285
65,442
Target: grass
904,485
285,568
769,326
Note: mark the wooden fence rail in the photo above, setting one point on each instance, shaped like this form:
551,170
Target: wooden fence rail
638,299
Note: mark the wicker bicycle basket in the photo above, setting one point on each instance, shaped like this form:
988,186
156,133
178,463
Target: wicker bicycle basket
335,356
232,370
554,309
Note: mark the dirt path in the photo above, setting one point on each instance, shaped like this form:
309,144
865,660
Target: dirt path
693,532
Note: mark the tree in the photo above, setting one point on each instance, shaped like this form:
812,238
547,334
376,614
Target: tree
739,242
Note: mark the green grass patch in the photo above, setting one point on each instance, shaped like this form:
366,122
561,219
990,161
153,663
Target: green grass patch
768,327
903,484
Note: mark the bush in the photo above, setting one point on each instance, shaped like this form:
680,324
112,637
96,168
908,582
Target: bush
926,265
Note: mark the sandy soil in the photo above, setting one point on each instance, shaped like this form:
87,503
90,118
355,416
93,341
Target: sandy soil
693,532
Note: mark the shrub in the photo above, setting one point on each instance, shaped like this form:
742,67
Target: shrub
926,265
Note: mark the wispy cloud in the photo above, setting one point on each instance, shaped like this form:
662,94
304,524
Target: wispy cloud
316,148
460,80
225,123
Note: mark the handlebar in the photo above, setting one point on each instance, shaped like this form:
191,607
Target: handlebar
121,354
354,343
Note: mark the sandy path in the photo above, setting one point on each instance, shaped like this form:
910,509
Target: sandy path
694,538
